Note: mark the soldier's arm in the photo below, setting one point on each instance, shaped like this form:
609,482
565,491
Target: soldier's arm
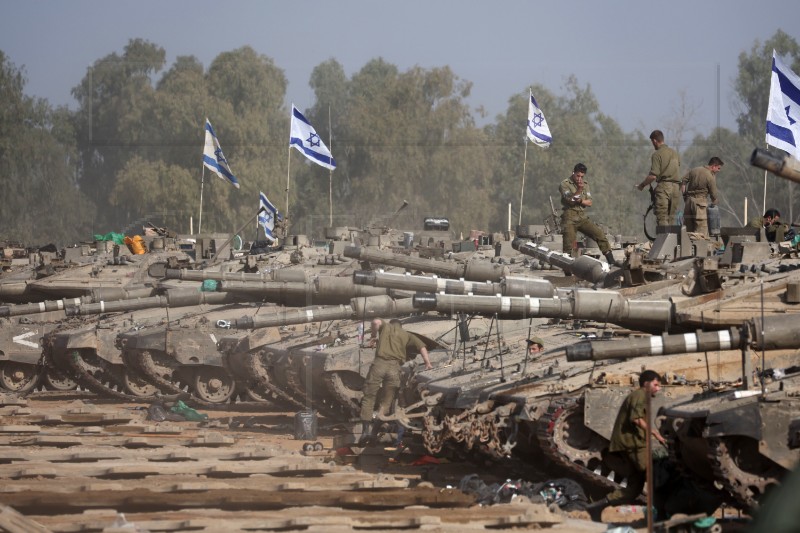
425,357
656,434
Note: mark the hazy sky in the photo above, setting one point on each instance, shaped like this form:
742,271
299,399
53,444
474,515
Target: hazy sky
637,56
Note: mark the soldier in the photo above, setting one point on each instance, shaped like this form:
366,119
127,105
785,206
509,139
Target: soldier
776,230
391,342
575,199
628,441
535,345
698,184
665,167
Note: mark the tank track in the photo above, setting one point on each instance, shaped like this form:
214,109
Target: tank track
346,399
262,384
85,374
552,431
745,486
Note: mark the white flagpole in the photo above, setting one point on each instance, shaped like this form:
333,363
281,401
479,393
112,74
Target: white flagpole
521,192
288,173
330,170
202,181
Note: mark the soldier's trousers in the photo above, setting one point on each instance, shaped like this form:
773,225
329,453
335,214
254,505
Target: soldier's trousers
571,224
636,461
383,372
668,195
695,215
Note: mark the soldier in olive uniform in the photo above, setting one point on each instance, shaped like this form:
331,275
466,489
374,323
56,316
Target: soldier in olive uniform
776,230
665,168
698,184
391,342
628,441
575,199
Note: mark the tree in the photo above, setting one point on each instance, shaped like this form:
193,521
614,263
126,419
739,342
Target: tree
41,202
114,99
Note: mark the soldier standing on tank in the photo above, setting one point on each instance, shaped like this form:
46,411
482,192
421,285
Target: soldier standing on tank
391,342
575,199
665,168
629,444
699,184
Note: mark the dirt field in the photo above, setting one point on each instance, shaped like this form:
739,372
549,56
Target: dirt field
72,462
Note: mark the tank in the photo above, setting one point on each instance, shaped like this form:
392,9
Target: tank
559,407
88,277
87,351
742,435
317,361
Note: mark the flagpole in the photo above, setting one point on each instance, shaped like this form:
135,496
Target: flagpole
522,190
288,173
202,181
330,171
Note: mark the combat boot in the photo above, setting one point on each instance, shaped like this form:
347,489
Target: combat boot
595,509
611,261
366,434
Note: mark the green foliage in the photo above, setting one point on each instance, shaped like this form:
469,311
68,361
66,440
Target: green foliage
41,202
753,80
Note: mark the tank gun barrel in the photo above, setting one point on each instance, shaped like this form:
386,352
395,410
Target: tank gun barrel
786,167
359,308
172,298
324,290
777,333
286,275
581,304
96,296
584,267
471,270
508,286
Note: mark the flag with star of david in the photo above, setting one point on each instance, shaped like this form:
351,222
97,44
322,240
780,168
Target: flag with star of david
214,159
304,137
538,131
267,215
783,114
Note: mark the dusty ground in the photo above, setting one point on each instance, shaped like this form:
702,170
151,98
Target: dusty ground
72,462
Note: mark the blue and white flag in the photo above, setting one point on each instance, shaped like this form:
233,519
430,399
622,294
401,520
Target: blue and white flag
214,159
538,132
783,115
305,138
267,215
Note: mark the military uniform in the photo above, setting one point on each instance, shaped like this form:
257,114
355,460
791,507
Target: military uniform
700,184
665,165
575,219
390,354
628,442
775,232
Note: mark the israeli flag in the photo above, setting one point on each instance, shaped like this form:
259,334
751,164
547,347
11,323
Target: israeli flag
305,138
214,159
267,214
538,131
783,114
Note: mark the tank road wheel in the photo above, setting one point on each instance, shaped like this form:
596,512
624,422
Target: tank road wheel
18,377
56,380
345,388
213,385
743,471
136,386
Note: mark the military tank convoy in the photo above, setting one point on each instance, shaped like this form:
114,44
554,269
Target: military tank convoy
289,333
